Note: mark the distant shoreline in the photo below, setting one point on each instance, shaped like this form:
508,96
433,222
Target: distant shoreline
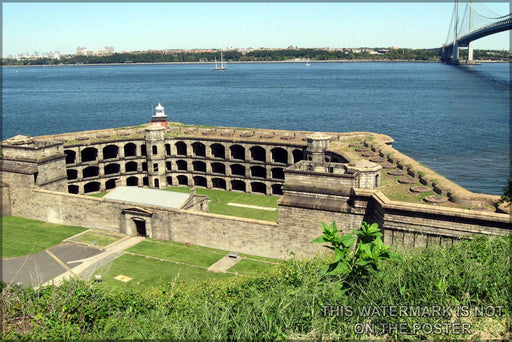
250,62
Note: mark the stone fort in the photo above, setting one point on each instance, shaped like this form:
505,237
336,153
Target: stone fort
320,177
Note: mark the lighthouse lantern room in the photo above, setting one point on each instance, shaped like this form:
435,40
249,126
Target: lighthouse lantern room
159,117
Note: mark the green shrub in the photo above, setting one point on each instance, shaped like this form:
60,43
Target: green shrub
358,263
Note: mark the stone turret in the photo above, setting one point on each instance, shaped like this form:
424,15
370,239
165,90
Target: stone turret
155,145
318,143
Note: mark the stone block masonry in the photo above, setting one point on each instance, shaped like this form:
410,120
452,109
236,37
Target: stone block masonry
45,179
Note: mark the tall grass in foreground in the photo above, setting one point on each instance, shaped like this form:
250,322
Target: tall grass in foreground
292,301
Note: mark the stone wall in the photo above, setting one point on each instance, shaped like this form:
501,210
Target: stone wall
422,225
6,200
208,230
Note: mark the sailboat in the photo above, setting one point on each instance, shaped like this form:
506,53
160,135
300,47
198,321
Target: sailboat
222,67
307,62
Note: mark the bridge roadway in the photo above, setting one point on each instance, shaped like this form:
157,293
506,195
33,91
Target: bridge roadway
446,51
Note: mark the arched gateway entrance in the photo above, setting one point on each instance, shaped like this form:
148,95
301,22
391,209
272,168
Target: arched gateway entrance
137,222
140,227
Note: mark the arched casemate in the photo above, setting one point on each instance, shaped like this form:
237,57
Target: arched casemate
218,151
238,185
110,184
237,152
130,166
200,181
259,187
91,187
110,152
198,149
279,155
218,168
277,189
258,153
219,183
181,148
91,171
298,155
112,169
258,171
70,156
89,154
277,173
73,189
132,181
182,180
130,150
199,166
182,165
72,174
237,170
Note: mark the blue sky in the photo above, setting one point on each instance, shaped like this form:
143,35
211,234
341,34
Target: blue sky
44,27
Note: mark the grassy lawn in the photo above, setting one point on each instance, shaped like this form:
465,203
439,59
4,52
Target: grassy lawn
400,192
177,253
145,270
102,240
219,200
250,267
151,272
22,236
99,194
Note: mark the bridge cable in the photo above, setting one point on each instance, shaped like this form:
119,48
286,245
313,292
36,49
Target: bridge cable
493,11
450,29
486,17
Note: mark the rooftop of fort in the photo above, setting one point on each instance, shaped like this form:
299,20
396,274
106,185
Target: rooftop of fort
403,178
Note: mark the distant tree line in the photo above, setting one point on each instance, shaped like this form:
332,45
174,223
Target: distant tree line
259,56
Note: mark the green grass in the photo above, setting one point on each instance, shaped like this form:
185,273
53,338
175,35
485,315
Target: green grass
286,303
99,194
101,239
22,236
183,254
251,267
151,272
159,263
219,200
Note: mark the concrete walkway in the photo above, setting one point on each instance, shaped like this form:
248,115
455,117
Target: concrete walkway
38,268
224,264
87,266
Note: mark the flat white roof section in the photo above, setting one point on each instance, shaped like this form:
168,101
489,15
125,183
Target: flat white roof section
138,195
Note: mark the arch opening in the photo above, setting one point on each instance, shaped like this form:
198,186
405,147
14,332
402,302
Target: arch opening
70,156
130,150
279,155
218,151
110,152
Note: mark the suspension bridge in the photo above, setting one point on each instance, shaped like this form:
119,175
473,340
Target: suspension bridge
476,21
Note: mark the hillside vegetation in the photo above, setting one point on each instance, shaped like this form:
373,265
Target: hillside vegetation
463,289
258,55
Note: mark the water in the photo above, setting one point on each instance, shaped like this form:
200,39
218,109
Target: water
455,120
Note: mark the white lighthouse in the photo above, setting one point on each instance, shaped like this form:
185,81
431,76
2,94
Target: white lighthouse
159,118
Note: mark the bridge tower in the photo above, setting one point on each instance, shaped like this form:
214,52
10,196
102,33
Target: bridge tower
455,53
470,45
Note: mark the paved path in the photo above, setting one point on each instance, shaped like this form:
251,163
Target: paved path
60,262
224,264
87,266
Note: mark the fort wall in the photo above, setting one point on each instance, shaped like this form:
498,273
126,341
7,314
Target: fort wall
316,185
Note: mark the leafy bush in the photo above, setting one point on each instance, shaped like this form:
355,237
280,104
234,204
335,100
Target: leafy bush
365,259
